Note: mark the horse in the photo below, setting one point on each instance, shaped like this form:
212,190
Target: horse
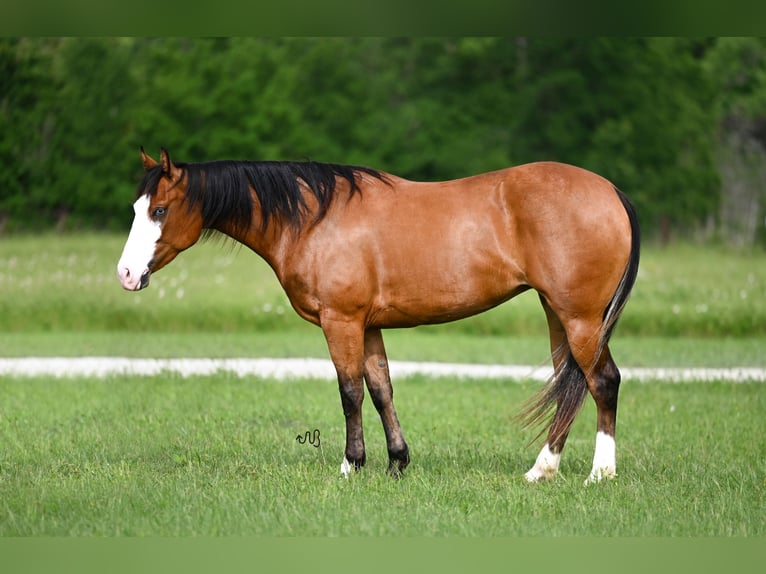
358,250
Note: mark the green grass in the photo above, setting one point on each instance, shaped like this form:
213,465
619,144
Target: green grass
692,306
218,456
68,283
402,345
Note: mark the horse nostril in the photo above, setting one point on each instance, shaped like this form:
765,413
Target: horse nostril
144,279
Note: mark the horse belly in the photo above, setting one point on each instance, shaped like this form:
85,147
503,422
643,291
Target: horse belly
439,289
411,313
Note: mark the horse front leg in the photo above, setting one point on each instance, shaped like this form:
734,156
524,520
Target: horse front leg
345,341
378,381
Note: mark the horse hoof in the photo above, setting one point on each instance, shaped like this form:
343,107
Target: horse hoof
396,469
535,475
599,475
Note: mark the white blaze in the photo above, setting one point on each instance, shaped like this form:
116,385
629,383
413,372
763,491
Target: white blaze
139,248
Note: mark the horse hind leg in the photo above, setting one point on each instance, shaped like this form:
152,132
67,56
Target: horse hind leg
604,386
582,363
566,390
378,380
603,382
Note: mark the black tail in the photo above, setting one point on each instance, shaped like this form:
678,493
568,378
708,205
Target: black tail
567,387
625,286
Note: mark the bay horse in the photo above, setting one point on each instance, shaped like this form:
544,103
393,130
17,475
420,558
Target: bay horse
358,250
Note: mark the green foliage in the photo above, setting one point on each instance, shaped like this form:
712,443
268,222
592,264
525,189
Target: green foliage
633,110
738,69
26,125
641,111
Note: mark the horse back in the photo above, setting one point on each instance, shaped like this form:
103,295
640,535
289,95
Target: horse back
405,253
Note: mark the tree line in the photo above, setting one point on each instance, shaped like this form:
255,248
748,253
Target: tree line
679,124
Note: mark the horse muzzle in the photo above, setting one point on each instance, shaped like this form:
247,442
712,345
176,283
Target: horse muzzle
133,281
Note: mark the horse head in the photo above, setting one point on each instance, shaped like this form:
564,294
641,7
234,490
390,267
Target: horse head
164,223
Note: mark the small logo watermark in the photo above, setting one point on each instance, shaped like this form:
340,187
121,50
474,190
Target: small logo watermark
309,437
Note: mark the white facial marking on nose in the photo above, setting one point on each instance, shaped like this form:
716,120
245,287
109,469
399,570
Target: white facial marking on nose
140,246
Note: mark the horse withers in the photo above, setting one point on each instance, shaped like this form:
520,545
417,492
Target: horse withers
358,250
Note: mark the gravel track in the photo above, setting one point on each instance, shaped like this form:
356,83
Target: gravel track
286,369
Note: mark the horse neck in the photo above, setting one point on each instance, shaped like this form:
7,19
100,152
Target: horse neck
277,240
270,243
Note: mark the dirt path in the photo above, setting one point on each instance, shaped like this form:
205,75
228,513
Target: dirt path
286,369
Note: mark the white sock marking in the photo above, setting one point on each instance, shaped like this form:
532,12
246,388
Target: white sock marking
140,246
604,461
546,466
346,468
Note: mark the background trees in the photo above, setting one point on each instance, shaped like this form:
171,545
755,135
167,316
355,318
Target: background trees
679,124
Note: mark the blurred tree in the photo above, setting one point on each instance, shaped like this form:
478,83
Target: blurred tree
26,127
661,117
737,67
92,110
633,110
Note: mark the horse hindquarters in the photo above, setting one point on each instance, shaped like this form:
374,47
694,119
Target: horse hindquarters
580,332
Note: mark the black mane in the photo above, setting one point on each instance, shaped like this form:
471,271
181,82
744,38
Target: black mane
223,189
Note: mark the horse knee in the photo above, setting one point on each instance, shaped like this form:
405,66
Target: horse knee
351,395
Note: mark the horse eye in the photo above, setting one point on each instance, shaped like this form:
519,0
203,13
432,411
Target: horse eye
158,212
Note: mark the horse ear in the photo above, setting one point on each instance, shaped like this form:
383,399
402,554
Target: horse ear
168,167
148,162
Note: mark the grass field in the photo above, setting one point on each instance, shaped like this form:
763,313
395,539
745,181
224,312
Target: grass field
217,455
68,283
59,296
